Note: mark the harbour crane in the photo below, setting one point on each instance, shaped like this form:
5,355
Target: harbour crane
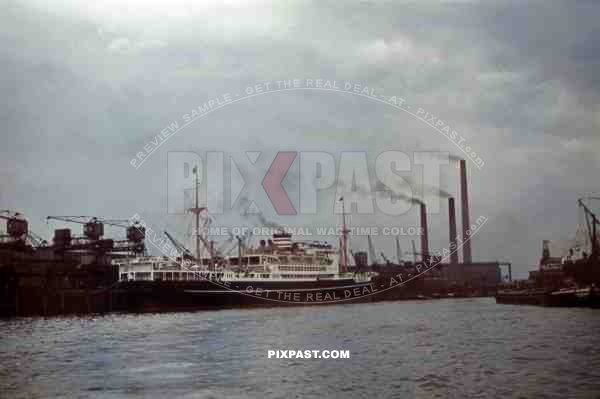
93,230
17,227
93,227
186,253
17,230
591,222
135,235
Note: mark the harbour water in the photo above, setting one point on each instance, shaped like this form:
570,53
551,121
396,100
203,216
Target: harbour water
440,348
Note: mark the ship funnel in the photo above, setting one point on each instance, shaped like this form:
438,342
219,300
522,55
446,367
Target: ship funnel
452,226
464,198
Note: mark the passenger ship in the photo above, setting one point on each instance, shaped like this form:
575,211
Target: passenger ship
277,272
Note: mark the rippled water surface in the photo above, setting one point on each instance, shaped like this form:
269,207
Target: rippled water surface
447,348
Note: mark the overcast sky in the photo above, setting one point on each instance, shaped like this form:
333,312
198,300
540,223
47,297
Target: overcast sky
84,87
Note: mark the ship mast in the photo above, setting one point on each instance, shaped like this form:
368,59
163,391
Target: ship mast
344,240
197,210
591,221
239,240
197,214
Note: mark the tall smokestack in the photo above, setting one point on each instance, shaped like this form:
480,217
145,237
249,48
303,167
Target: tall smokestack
464,198
424,234
452,224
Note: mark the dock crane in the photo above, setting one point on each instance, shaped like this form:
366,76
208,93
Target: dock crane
93,230
185,253
17,227
136,231
385,259
135,235
591,221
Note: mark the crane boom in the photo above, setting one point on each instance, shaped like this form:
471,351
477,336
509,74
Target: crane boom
8,215
385,259
36,240
93,229
591,221
588,211
119,222
179,246
73,219
93,219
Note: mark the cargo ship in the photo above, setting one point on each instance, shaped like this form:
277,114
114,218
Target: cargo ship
281,272
572,280
278,272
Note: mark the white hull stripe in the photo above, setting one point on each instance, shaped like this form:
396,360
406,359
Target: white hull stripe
225,291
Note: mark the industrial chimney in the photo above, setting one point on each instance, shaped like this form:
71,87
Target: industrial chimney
452,224
424,235
464,198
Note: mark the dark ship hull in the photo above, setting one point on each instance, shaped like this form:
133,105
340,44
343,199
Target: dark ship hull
159,296
560,298
547,287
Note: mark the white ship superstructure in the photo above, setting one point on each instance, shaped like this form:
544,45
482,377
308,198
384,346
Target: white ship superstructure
280,260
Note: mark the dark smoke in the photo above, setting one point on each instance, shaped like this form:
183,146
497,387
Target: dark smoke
412,200
267,223
382,188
